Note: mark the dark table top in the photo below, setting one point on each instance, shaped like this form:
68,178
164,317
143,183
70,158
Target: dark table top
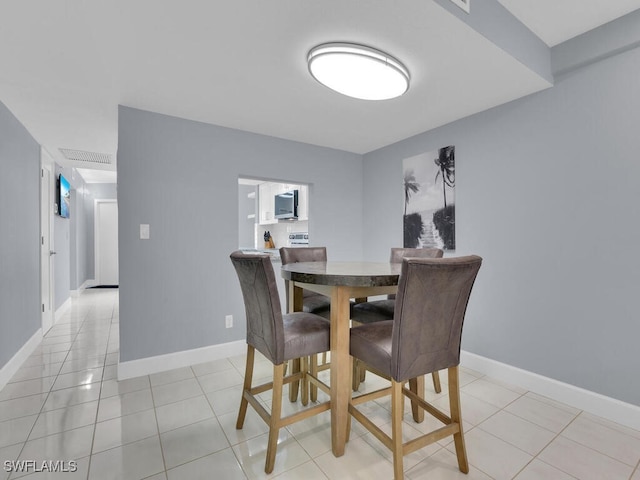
351,274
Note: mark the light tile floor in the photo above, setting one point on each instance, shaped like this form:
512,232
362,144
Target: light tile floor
65,404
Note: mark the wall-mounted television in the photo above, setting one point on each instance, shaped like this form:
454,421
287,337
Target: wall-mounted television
64,197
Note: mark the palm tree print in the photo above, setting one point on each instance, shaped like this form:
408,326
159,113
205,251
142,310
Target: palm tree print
411,186
446,165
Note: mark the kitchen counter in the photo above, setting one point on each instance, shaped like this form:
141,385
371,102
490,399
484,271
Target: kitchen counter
273,253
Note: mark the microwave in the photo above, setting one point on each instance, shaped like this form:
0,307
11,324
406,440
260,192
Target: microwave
286,205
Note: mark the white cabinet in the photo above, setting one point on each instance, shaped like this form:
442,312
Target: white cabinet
266,200
303,202
266,203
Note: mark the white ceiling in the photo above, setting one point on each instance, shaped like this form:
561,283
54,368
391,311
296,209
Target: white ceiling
91,175
67,64
556,21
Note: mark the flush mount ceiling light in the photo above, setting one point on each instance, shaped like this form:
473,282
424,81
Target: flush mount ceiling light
358,71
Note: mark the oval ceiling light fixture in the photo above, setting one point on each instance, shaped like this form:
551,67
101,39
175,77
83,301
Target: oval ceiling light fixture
358,71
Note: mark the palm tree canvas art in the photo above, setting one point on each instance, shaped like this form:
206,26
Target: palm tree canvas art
429,200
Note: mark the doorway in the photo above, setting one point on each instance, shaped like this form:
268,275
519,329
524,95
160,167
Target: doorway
106,243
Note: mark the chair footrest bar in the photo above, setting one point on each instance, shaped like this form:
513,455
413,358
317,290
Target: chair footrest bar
440,415
309,412
372,427
371,396
260,410
429,438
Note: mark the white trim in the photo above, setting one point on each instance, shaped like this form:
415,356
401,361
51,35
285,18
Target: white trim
47,299
161,363
13,365
61,310
606,407
87,284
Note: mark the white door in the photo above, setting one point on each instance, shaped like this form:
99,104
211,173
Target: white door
106,232
46,247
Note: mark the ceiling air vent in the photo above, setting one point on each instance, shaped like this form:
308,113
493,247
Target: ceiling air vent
86,157
463,4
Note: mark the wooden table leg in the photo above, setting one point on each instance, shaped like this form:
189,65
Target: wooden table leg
340,369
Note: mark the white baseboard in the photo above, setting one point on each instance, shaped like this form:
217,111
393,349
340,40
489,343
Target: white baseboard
606,407
595,403
87,284
61,310
161,363
12,366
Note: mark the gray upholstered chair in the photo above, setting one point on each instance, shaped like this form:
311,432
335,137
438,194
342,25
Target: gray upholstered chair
424,336
381,310
279,338
311,303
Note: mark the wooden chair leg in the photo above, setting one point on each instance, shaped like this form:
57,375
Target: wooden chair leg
248,377
276,412
416,385
358,374
397,408
456,417
294,386
355,375
436,381
304,384
313,369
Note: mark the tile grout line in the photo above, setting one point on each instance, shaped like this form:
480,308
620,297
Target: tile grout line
238,460
636,470
155,415
501,409
24,444
104,364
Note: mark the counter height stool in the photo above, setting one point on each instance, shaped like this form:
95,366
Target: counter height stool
279,338
311,303
381,310
423,337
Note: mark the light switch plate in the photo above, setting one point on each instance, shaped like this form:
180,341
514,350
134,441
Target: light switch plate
144,231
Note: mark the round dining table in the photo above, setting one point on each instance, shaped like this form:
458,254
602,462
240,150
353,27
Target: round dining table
340,281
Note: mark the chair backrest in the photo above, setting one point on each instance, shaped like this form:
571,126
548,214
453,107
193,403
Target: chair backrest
265,330
304,254
397,254
429,314
301,254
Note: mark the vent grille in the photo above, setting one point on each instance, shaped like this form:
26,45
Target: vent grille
86,157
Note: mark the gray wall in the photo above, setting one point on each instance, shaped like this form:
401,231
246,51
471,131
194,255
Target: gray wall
547,191
20,314
181,177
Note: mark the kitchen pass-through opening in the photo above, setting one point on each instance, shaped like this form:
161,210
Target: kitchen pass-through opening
272,214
